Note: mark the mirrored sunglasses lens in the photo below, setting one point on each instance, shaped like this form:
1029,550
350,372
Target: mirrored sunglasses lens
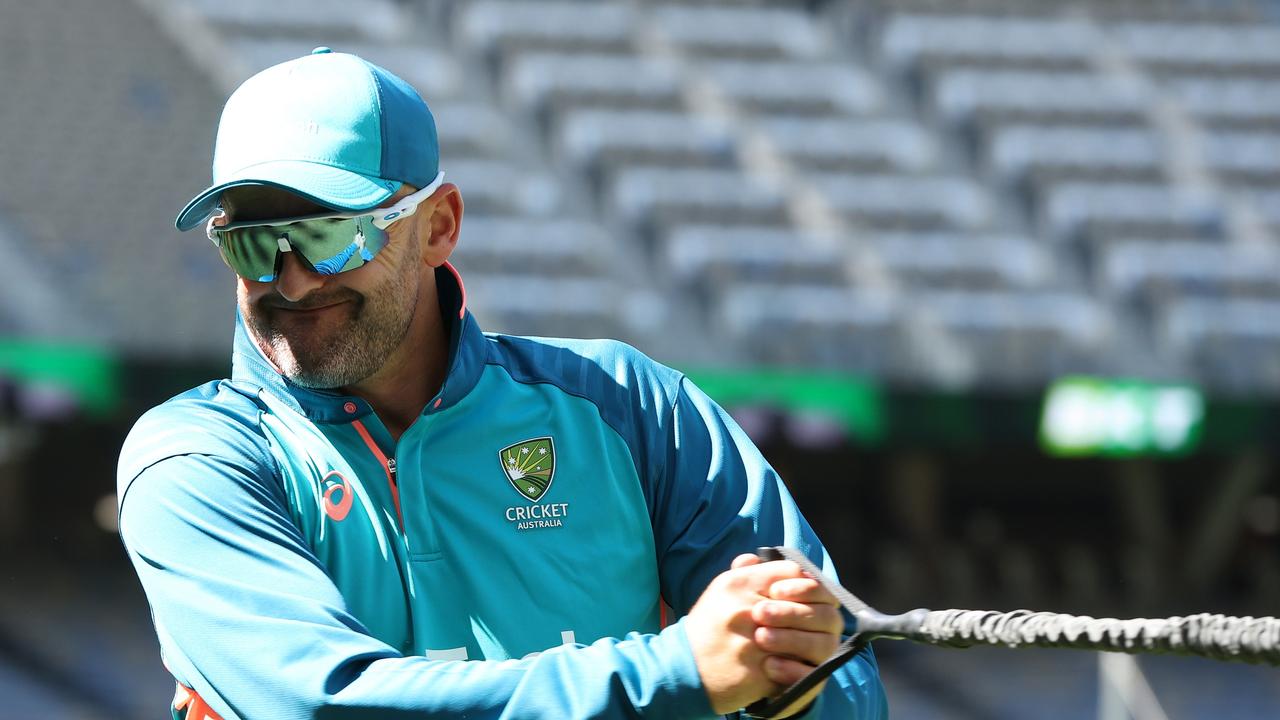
251,252
334,246
328,246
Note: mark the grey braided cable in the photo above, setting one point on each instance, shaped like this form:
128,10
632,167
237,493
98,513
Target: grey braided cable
1244,639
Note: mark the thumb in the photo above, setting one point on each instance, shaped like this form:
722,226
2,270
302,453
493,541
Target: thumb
745,560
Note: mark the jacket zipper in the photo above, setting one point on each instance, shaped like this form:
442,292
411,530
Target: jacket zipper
394,481
388,466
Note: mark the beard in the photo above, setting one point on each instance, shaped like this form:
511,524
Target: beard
349,343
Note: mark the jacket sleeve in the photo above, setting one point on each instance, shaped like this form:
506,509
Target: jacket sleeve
247,617
715,497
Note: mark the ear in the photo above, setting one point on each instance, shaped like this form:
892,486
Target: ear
438,230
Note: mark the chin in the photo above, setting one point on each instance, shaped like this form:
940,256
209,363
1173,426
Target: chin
333,365
316,376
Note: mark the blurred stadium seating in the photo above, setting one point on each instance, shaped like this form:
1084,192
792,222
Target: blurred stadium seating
909,135
962,198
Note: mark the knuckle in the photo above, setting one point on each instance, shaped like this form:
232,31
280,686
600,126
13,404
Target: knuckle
762,613
775,611
767,638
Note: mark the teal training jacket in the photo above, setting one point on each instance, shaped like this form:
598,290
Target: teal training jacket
509,557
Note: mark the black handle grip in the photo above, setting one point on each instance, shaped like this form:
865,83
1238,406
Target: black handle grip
769,554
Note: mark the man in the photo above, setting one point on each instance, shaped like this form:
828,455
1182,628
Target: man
386,513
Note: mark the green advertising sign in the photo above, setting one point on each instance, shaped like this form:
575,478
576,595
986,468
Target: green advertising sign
852,402
1086,416
88,373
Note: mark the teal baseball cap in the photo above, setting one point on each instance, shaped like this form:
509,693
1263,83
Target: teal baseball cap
331,127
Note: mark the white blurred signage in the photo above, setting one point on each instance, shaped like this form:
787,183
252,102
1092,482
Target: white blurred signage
1094,416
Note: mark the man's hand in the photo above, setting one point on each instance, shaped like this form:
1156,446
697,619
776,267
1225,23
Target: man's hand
758,628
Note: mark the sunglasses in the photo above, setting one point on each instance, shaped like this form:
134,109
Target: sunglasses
326,244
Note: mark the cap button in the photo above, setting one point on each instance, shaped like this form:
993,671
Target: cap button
321,50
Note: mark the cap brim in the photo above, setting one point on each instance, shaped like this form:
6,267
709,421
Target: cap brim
326,185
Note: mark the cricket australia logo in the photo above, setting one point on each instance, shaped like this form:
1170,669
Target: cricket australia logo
530,466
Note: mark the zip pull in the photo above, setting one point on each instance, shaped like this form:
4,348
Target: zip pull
388,466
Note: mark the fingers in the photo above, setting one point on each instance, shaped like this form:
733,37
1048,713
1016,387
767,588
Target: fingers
802,590
760,627
758,576
808,647
798,616
785,581
799,625
785,671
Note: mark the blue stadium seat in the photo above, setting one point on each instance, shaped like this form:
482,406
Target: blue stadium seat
1266,200
473,129
744,32
1173,268
1234,343
967,92
1200,46
535,79
1243,156
546,24
1018,149
1120,208
961,260
717,257
1193,322
852,144
582,307
695,195
375,19
1073,317
589,136
836,328
503,188
796,87
1022,336
921,202
1235,100
534,245
1014,41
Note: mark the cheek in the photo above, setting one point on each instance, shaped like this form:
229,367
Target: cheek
248,293
389,268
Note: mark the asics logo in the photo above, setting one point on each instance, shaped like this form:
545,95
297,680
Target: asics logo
335,484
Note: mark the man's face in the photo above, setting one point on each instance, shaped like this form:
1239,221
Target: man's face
329,331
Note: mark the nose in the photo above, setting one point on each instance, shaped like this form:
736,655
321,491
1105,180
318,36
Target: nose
296,280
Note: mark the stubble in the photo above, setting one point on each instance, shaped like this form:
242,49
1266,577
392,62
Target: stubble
348,348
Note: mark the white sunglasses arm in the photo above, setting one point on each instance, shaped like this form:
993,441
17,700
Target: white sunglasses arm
212,223
382,217
407,205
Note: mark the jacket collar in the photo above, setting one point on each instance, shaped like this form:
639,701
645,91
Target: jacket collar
466,358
